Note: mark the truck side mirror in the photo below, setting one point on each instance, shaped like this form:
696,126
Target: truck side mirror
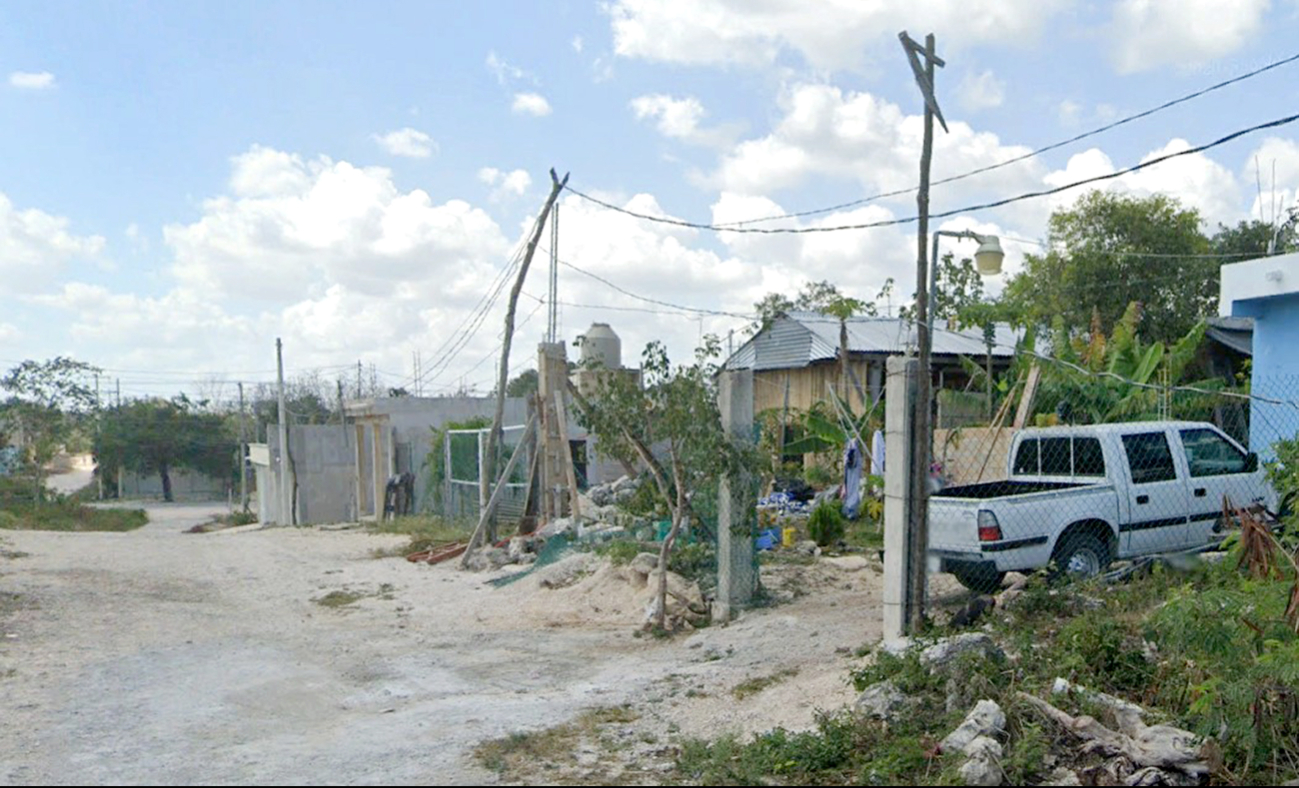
1251,462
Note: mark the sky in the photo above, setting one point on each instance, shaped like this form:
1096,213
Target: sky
186,182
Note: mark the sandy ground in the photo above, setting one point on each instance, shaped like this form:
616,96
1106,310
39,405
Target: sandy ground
162,657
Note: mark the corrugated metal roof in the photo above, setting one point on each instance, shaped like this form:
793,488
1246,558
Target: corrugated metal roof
1236,333
802,338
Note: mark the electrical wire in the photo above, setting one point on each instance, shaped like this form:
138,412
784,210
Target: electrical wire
1025,156
944,214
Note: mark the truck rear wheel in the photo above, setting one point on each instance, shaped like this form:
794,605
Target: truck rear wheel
980,578
1079,555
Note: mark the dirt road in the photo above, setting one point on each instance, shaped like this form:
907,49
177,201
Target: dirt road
162,657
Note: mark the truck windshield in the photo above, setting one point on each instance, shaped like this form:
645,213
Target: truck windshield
1065,456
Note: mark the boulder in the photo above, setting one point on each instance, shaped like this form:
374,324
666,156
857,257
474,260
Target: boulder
519,546
1062,776
942,654
807,547
985,720
882,701
560,525
981,768
566,571
849,563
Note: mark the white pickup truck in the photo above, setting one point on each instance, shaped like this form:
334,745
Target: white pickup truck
1079,497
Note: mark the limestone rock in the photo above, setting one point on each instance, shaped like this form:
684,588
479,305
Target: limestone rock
985,720
943,653
881,701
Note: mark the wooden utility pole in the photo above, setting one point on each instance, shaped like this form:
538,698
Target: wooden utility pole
99,472
243,466
918,545
494,437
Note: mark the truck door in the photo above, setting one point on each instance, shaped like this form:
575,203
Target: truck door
1215,468
1157,502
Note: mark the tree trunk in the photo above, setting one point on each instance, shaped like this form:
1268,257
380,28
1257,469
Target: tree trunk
678,516
165,473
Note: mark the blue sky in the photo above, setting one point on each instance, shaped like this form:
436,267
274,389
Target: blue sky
187,181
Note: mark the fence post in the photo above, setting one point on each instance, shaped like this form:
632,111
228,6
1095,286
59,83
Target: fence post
737,580
448,510
900,390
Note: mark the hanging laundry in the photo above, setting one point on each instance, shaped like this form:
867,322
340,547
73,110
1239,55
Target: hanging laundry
852,472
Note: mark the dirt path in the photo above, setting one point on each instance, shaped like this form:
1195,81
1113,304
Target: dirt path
163,657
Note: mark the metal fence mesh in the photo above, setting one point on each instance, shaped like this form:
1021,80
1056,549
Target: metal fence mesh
465,463
1094,477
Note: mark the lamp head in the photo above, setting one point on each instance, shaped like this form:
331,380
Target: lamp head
988,257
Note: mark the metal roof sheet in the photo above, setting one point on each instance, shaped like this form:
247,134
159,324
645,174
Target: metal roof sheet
801,338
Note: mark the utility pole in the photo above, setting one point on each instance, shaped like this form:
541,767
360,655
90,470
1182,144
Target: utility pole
99,476
487,474
243,467
286,493
119,409
358,378
918,544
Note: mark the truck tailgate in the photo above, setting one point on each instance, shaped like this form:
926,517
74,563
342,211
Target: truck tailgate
953,525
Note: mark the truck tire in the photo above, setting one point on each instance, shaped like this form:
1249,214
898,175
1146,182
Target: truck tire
1079,555
980,578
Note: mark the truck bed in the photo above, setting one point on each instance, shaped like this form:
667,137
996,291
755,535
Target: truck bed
1007,488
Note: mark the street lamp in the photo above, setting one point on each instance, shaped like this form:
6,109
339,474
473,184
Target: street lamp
987,261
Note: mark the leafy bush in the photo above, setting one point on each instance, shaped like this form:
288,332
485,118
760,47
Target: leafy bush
826,525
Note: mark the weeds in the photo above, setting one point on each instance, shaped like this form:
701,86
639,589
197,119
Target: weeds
68,516
337,599
753,686
521,753
426,532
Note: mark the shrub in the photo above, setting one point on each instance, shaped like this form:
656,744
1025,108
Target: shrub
826,525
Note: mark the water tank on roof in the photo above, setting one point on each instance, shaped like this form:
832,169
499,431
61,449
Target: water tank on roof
602,346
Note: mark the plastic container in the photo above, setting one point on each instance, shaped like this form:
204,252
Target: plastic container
789,536
767,540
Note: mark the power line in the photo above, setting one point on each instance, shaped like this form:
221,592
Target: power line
1022,157
647,299
969,209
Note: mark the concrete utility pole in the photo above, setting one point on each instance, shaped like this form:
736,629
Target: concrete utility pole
286,492
99,476
243,466
918,547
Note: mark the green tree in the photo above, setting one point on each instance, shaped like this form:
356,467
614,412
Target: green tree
45,400
674,409
1250,239
1109,250
159,436
524,385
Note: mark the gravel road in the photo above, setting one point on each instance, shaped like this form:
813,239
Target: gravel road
162,657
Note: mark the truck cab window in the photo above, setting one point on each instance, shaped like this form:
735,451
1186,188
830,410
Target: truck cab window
1149,457
1026,458
1209,454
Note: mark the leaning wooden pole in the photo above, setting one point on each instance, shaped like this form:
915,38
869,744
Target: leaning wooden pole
486,515
494,436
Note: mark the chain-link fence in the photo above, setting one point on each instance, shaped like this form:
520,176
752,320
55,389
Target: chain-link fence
1099,471
465,461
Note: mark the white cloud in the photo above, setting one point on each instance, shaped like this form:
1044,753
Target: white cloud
26,80
1069,113
1195,180
1274,198
981,91
835,36
678,118
505,72
507,184
533,104
856,137
1152,33
577,44
9,334
290,225
407,142
36,246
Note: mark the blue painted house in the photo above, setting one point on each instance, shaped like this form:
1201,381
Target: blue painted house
1267,290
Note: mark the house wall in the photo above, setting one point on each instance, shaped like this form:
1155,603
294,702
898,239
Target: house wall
807,385
1275,367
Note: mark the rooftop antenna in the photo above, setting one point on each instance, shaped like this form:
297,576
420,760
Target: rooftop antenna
1258,179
